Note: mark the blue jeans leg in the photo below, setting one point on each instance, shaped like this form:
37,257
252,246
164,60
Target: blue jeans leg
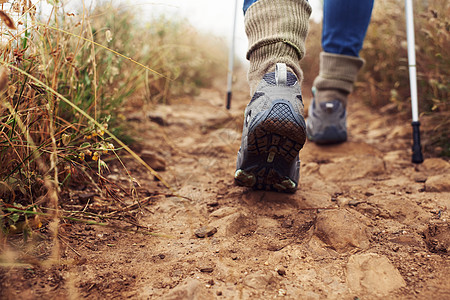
247,4
345,24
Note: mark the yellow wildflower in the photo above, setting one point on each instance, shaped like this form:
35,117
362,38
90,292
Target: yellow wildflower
96,156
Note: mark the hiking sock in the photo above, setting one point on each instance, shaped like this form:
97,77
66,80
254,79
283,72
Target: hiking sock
276,32
336,77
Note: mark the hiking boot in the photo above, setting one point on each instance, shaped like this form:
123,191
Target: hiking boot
326,122
273,134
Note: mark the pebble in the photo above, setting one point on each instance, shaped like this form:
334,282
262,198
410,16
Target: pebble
354,202
205,231
281,271
438,183
420,178
154,160
86,197
206,269
158,119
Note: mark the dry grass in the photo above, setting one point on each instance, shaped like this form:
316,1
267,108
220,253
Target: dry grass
64,83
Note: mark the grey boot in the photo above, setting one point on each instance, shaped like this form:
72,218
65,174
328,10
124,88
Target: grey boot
274,127
327,116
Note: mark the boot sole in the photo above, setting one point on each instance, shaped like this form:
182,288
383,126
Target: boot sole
271,158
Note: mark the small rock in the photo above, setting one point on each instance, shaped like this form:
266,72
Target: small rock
85,197
354,202
420,178
155,161
223,212
135,117
158,119
435,164
437,238
343,201
205,231
281,271
237,223
372,273
287,223
189,289
206,269
258,280
438,183
341,230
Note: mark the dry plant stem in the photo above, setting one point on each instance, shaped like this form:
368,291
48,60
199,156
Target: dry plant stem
92,181
106,48
68,245
133,188
94,68
54,192
14,148
135,156
89,214
89,222
130,207
51,185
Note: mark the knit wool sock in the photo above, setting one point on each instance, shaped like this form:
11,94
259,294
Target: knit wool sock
276,31
336,77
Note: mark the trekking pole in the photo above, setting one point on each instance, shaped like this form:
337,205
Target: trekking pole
416,148
231,58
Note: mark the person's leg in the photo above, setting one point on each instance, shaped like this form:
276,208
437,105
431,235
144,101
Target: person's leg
276,32
274,128
345,24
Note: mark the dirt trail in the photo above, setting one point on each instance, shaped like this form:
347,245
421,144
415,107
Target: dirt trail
365,223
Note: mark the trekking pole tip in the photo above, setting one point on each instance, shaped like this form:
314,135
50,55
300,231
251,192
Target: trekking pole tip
417,156
228,100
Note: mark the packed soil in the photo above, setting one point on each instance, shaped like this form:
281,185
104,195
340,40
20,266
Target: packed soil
365,223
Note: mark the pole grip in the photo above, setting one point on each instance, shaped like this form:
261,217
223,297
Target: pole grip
417,156
228,100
